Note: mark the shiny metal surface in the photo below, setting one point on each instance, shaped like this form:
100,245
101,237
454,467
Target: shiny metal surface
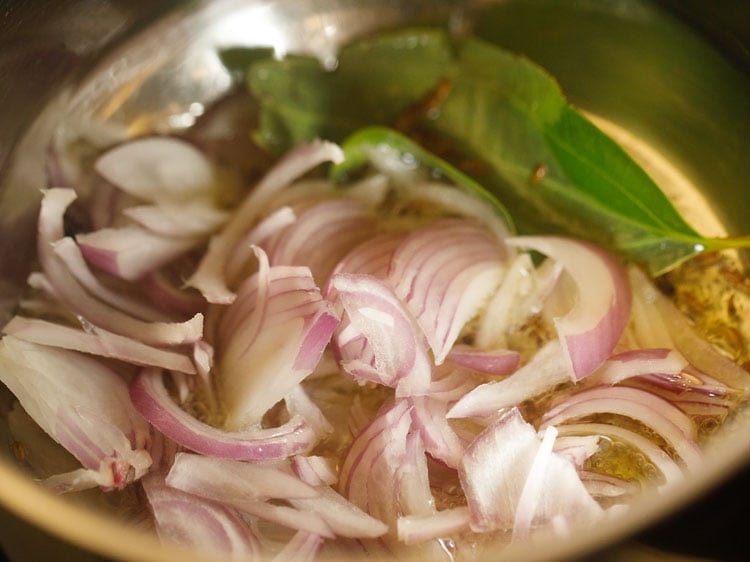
104,70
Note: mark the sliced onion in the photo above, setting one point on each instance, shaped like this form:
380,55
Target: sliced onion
499,315
369,473
450,384
303,547
224,479
592,328
606,486
641,362
377,339
498,362
260,236
151,399
209,278
315,470
321,236
97,342
494,470
499,465
457,202
415,529
299,403
192,219
166,295
444,272
343,517
70,253
65,285
270,339
700,353
547,369
576,448
532,489
658,414
82,405
194,522
131,252
372,257
158,168
439,438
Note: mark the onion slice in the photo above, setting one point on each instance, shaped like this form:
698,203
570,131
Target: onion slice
658,414
151,398
131,252
97,342
194,522
82,405
592,328
210,278
270,339
158,169
377,339
546,370
500,465
497,362
641,362
67,287
444,272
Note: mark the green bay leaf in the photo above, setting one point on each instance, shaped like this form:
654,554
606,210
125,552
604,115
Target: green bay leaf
374,81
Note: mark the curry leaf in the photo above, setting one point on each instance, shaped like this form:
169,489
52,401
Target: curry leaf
374,81
550,166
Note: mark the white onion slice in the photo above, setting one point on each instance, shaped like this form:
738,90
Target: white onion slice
343,517
97,342
658,414
270,339
699,352
303,547
54,203
377,339
82,405
157,169
444,272
498,362
315,470
194,522
457,202
532,489
321,236
224,479
192,219
210,278
640,362
496,469
131,252
547,369
576,448
415,529
151,399
67,249
592,328
500,312
439,438
369,473
372,257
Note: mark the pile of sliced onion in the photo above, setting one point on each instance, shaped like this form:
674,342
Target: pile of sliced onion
343,373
